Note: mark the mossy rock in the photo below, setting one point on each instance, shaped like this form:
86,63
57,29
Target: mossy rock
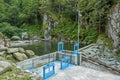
20,56
29,53
4,66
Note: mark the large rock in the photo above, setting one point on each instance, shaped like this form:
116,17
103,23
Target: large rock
21,50
4,66
2,53
12,50
29,53
3,49
36,38
20,56
15,38
24,36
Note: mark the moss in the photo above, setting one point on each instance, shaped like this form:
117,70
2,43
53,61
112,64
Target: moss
26,77
118,53
12,74
106,41
9,73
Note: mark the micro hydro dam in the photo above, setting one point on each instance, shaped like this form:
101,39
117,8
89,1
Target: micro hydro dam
64,65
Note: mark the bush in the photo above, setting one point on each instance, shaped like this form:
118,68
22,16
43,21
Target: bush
26,77
31,29
9,30
89,35
9,33
106,40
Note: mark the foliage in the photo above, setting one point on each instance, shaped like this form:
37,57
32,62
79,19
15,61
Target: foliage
13,73
32,30
27,16
26,77
9,30
106,41
118,54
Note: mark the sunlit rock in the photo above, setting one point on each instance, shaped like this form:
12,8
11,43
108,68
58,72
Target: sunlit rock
21,50
29,53
20,56
12,50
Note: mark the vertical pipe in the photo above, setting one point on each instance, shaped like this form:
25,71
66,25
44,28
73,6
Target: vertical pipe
79,15
43,72
78,27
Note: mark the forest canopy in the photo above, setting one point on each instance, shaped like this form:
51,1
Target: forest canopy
18,16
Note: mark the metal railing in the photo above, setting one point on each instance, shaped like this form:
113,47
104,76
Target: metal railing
37,61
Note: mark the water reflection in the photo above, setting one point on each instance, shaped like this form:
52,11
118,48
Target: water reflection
45,47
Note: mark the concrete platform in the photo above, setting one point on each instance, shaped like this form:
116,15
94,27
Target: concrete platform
80,73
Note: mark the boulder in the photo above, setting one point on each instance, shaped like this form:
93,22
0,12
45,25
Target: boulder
29,53
3,49
12,50
20,56
36,38
15,38
24,36
4,66
21,50
9,57
2,53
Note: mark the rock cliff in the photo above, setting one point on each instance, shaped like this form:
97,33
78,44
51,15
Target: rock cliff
113,28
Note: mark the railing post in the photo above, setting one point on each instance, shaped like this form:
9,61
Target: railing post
60,46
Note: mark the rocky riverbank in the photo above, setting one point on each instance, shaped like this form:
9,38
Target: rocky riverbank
10,72
8,67
18,54
101,54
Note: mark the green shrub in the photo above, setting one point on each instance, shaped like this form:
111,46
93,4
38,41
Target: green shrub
32,29
9,30
106,40
26,77
9,33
